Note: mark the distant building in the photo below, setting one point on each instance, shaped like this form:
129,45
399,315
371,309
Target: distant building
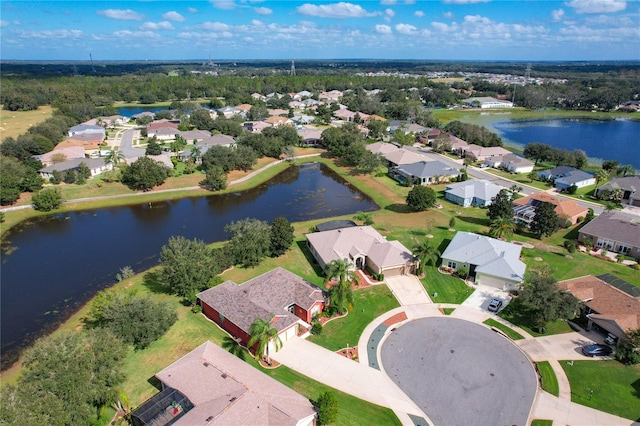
487,102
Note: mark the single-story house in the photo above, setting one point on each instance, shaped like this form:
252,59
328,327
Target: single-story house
194,135
63,154
310,136
218,139
303,119
276,120
229,112
524,208
244,107
91,149
472,192
255,126
606,304
488,261
382,148
424,173
96,166
363,247
565,176
86,128
108,121
277,111
279,296
486,102
161,124
403,156
87,138
510,162
303,94
210,386
344,114
143,114
164,133
614,231
331,96
629,185
481,153
411,128
258,96
164,159
457,145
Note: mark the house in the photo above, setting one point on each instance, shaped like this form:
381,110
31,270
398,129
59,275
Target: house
192,136
164,159
424,173
86,128
363,247
331,96
255,126
402,156
63,154
210,386
565,176
610,304
258,97
91,149
345,115
488,261
164,133
143,114
510,162
310,136
303,94
410,128
279,296
277,111
472,192
108,121
303,119
277,121
614,231
96,166
457,145
228,111
524,209
219,139
161,124
382,148
96,138
481,153
629,185
244,107
487,102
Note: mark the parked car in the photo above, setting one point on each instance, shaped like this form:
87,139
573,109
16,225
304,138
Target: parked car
611,340
495,305
597,350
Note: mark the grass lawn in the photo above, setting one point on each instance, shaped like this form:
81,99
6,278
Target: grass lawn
448,311
370,303
448,288
522,178
16,123
616,387
548,378
513,314
541,422
512,334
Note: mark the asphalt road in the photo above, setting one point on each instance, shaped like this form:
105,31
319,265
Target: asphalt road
126,145
460,373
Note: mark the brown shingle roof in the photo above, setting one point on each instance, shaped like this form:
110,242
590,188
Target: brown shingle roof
564,207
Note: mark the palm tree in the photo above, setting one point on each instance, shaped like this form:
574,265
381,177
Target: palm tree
627,169
233,346
338,269
196,152
502,227
341,295
114,157
600,176
426,254
262,334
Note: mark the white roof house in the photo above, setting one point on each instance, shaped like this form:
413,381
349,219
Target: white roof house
472,192
489,261
361,246
86,128
485,102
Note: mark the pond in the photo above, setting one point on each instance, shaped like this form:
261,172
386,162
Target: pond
130,111
58,262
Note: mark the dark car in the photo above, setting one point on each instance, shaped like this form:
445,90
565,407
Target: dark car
596,350
495,305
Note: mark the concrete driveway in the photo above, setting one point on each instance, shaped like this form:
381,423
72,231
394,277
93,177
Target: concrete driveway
407,289
460,373
560,346
482,296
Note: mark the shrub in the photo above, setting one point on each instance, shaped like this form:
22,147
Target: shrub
570,245
196,309
462,273
47,199
327,405
452,222
316,328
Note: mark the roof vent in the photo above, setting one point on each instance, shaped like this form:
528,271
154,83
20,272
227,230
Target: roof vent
224,375
208,419
206,364
233,399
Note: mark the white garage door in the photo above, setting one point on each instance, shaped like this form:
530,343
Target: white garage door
491,281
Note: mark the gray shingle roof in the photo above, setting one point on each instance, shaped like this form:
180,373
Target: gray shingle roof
617,226
481,189
427,169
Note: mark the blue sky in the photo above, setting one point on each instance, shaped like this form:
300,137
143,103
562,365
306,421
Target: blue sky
290,29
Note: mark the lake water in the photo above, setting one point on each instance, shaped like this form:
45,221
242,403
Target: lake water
60,261
129,111
600,139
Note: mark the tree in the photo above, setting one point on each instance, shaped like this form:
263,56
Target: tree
501,205
83,173
250,241
545,220
600,175
69,176
421,198
47,199
377,128
216,178
341,294
427,254
187,266
533,175
136,320
610,166
262,334
114,157
281,236
628,350
178,144
365,218
368,162
67,378
327,405
627,169
153,147
502,227
544,301
231,345
143,174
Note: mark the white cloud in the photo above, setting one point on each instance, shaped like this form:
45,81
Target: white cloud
557,14
388,14
448,15
4,24
214,26
256,23
465,1
383,29
419,13
223,4
263,11
54,34
440,26
406,29
164,25
121,14
173,16
388,2
192,10
597,6
334,10
128,35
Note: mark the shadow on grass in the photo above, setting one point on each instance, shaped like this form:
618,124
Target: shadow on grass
155,382
483,221
302,245
443,245
572,233
398,208
151,280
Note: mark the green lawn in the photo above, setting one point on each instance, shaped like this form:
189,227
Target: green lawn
449,289
514,314
522,178
548,378
616,387
541,422
370,303
512,334
448,311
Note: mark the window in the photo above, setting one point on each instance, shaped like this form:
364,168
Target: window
452,265
221,318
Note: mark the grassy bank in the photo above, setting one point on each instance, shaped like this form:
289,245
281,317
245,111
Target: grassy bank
447,115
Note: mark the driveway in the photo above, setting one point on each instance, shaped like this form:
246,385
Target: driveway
407,289
460,373
560,346
482,296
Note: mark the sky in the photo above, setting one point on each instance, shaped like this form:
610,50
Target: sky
523,30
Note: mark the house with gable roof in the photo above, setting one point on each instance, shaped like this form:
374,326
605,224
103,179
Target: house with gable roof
489,262
362,247
86,128
629,185
510,162
424,173
566,176
279,296
524,209
615,231
472,193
